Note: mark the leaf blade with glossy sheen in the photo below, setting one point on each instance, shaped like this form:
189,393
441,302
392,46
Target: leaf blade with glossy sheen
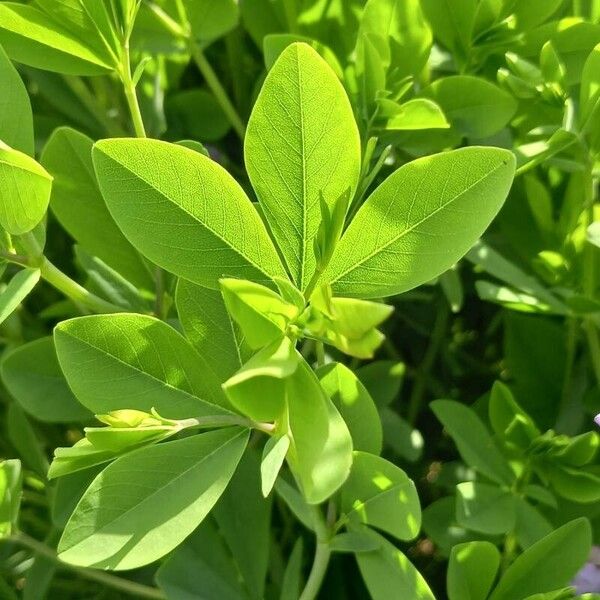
355,405
388,574
16,119
548,564
184,212
474,443
17,290
147,502
24,191
134,361
302,141
420,221
381,495
31,37
471,571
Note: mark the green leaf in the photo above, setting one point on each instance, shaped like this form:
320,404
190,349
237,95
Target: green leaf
180,192
472,570
24,190
274,454
320,453
16,291
589,99
295,502
353,542
26,440
274,44
475,107
32,37
16,119
208,326
503,410
400,436
147,502
302,142
420,221
201,567
485,508
531,525
473,440
408,36
548,564
32,375
292,578
383,380
355,405
196,113
210,20
381,495
259,388
81,456
576,484
10,496
79,207
389,575
263,316
452,23
242,503
134,361
419,113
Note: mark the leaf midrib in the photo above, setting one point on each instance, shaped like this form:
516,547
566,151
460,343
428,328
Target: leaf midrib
408,230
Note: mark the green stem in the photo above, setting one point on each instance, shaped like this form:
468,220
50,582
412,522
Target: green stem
571,348
130,94
321,559
118,583
218,90
437,337
70,288
55,277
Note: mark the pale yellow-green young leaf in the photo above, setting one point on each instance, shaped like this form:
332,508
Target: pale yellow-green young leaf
25,188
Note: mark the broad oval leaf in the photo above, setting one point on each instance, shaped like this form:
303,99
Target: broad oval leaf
320,453
78,205
133,361
473,440
147,502
472,570
24,191
355,405
32,375
184,212
33,38
389,575
302,141
420,221
380,494
475,107
548,564
485,508
16,119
